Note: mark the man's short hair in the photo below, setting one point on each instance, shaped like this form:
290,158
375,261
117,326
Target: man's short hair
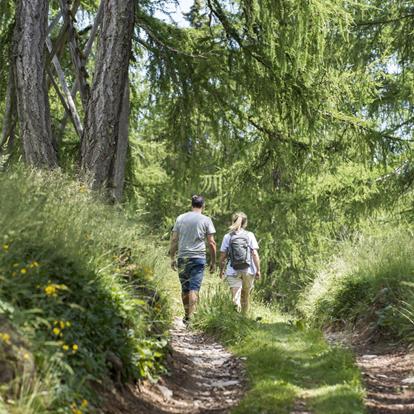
197,201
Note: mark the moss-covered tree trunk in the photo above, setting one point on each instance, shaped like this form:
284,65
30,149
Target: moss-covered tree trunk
103,114
29,58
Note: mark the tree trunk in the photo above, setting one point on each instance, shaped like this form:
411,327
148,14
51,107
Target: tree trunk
118,167
30,80
102,119
9,119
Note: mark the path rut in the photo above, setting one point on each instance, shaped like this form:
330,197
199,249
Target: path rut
203,378
387,373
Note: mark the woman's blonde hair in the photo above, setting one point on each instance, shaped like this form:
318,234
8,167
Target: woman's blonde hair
239,220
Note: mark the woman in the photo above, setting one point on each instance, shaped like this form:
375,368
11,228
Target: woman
239,250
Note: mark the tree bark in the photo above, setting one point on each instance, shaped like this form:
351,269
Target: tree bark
9,119
32,101
118,167
102,119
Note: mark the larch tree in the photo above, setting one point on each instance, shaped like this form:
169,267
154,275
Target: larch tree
29,81
104,143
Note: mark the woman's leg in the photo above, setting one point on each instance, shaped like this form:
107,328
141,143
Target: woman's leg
235,292
235,285
247,285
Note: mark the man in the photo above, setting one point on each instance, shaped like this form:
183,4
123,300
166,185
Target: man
188,237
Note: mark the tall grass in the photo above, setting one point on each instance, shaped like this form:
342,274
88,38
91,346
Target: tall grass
369,284
78,286
216,314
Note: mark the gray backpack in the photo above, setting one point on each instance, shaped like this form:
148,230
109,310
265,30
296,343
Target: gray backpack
239,251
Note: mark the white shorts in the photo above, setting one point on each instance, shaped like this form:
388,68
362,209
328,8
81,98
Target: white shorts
236,281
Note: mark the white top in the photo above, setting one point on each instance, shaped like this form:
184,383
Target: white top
253,246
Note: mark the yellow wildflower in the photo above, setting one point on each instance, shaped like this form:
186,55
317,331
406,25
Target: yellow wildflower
56,331
62,324
23,271
51,290
5,247
33,264
75,347
68,324
84,403
76,411
65,347
5,337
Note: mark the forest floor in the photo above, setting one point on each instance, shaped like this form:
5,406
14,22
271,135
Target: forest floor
387,371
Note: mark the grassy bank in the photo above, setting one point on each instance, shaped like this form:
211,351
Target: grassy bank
79,299
285,362
369,285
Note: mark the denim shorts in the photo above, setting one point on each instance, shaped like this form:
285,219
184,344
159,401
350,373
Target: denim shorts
191,273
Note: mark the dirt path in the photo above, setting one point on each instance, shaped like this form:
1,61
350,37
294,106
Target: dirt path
387,372
389,381
204,378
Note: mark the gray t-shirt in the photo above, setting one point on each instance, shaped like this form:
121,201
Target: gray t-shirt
192,229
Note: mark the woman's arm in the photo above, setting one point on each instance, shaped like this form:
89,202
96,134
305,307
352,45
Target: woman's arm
256,261
223,260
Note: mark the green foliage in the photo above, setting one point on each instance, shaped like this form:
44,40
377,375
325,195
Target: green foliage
78,286
284,361
369,284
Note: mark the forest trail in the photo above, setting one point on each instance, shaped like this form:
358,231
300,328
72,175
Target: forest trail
387,373
203,378
388,380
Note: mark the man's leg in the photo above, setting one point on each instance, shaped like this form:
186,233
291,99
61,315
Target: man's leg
192,302
185,285
185,296
196,271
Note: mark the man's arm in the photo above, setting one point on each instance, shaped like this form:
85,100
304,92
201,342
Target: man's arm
173,249
223,260
212,246
256,261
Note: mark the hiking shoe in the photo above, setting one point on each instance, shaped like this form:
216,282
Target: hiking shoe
186,320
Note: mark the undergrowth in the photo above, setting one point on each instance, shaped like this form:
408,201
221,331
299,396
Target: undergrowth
78,296
369,285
